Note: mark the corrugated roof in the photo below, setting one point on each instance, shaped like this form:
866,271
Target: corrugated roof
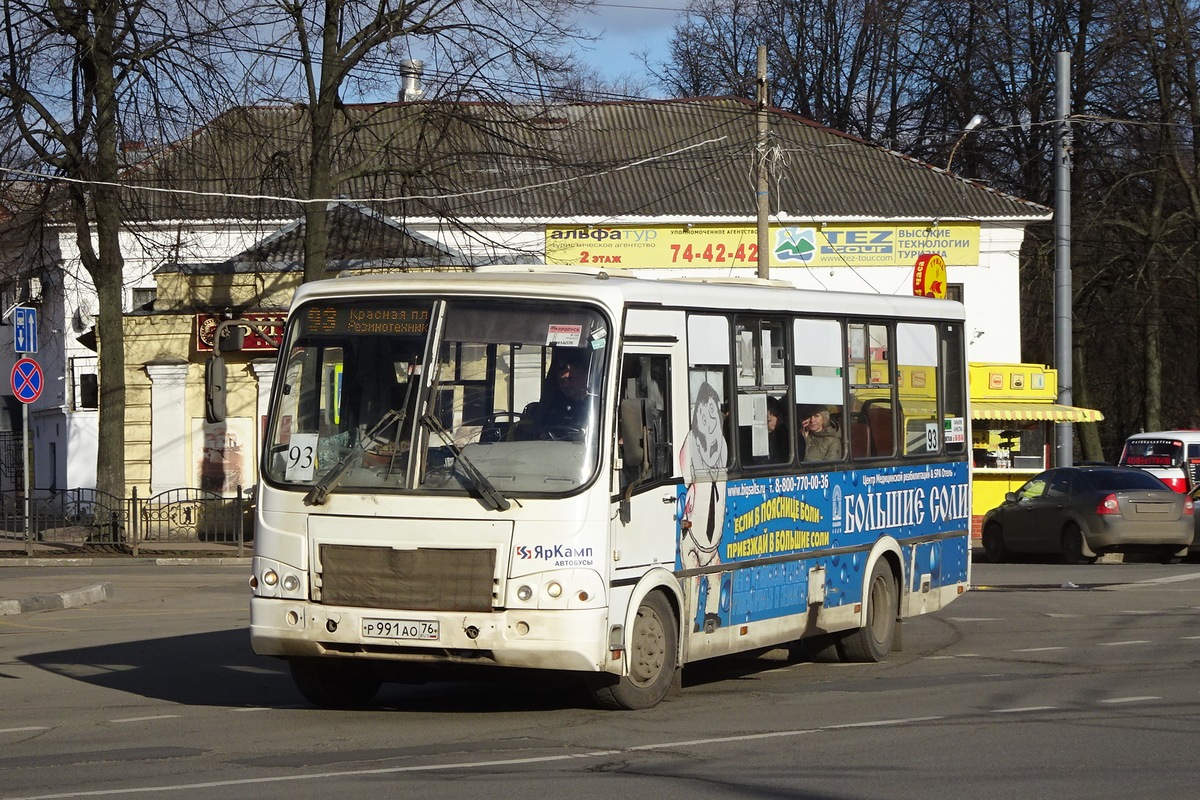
658,159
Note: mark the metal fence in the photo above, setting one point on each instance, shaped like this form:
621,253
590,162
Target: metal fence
179,519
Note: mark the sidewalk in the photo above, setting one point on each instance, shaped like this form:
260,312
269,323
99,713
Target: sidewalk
54,587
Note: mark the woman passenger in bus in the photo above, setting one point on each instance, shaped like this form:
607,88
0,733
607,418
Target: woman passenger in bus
822,441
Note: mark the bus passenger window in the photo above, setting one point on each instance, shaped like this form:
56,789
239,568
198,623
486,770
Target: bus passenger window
764,405
917,347
872,383
820,389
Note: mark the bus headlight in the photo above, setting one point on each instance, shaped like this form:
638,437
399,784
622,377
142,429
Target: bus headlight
524,592
272,578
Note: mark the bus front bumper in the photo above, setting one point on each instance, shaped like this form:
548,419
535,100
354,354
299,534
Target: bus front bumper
562,639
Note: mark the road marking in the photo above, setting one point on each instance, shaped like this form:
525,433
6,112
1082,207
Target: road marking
146,719
1191,576
1024,710
957,655
880,723
1038,649
1115,700
1122,644
24,730
977,619
463,765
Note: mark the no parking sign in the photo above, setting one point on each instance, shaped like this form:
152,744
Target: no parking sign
27,380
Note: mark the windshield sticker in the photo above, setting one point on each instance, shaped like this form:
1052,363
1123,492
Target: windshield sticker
564,335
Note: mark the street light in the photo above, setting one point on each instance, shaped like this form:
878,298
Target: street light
975,122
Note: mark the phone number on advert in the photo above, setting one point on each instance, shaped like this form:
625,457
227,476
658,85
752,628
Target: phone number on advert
800,483
714,253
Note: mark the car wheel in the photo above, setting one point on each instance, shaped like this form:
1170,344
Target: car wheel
993,544
1170,556
873,641
329,683
653,658
1072,545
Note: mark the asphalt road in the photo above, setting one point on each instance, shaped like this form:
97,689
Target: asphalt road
1046,681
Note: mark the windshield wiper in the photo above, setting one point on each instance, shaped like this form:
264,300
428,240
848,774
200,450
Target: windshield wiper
319,493
487,490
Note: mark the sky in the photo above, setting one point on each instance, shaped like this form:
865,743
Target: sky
625,27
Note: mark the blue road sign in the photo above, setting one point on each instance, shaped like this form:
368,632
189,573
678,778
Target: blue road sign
25,329
27,380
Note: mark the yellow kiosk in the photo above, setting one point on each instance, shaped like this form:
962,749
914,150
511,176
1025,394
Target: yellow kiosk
1012,409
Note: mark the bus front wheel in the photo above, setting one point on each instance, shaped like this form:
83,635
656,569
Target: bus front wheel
873,641
327,683
653,659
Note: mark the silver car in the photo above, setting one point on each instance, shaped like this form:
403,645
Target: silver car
1083,512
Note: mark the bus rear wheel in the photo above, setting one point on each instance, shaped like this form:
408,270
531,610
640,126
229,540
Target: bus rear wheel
328,683
653,659
873,641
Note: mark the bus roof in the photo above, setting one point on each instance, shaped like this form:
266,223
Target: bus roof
616,288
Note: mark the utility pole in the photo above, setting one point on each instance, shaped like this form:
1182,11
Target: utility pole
1064,440
764,196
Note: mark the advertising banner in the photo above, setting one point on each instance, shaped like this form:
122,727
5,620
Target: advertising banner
736,246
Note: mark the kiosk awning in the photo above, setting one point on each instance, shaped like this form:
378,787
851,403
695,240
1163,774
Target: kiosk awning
1038,411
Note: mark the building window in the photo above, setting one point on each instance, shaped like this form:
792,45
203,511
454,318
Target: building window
143,299
85,383
954,291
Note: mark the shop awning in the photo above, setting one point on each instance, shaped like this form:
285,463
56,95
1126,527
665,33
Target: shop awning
1039,411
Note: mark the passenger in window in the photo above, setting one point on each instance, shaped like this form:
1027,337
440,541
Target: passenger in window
777,433
822,440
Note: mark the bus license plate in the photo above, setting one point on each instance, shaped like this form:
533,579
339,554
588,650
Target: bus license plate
422,629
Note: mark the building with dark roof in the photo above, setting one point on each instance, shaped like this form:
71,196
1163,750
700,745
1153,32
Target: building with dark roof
214,226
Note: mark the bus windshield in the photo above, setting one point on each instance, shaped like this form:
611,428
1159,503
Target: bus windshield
413,394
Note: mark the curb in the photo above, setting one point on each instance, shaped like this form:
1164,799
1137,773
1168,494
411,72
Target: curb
95,593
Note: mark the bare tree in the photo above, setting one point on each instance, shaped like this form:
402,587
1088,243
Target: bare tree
329,49
75,73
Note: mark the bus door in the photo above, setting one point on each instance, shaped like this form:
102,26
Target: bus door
643,527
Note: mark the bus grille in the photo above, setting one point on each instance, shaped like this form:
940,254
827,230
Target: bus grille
425,579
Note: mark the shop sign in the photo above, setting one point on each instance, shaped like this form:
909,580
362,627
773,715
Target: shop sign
736,246
270,324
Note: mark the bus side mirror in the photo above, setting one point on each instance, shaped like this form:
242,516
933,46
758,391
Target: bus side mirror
230,338
214,388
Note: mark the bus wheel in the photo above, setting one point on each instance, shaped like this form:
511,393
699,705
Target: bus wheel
653,657
873,641
327,683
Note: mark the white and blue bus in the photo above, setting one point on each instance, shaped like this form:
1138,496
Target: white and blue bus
602,474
